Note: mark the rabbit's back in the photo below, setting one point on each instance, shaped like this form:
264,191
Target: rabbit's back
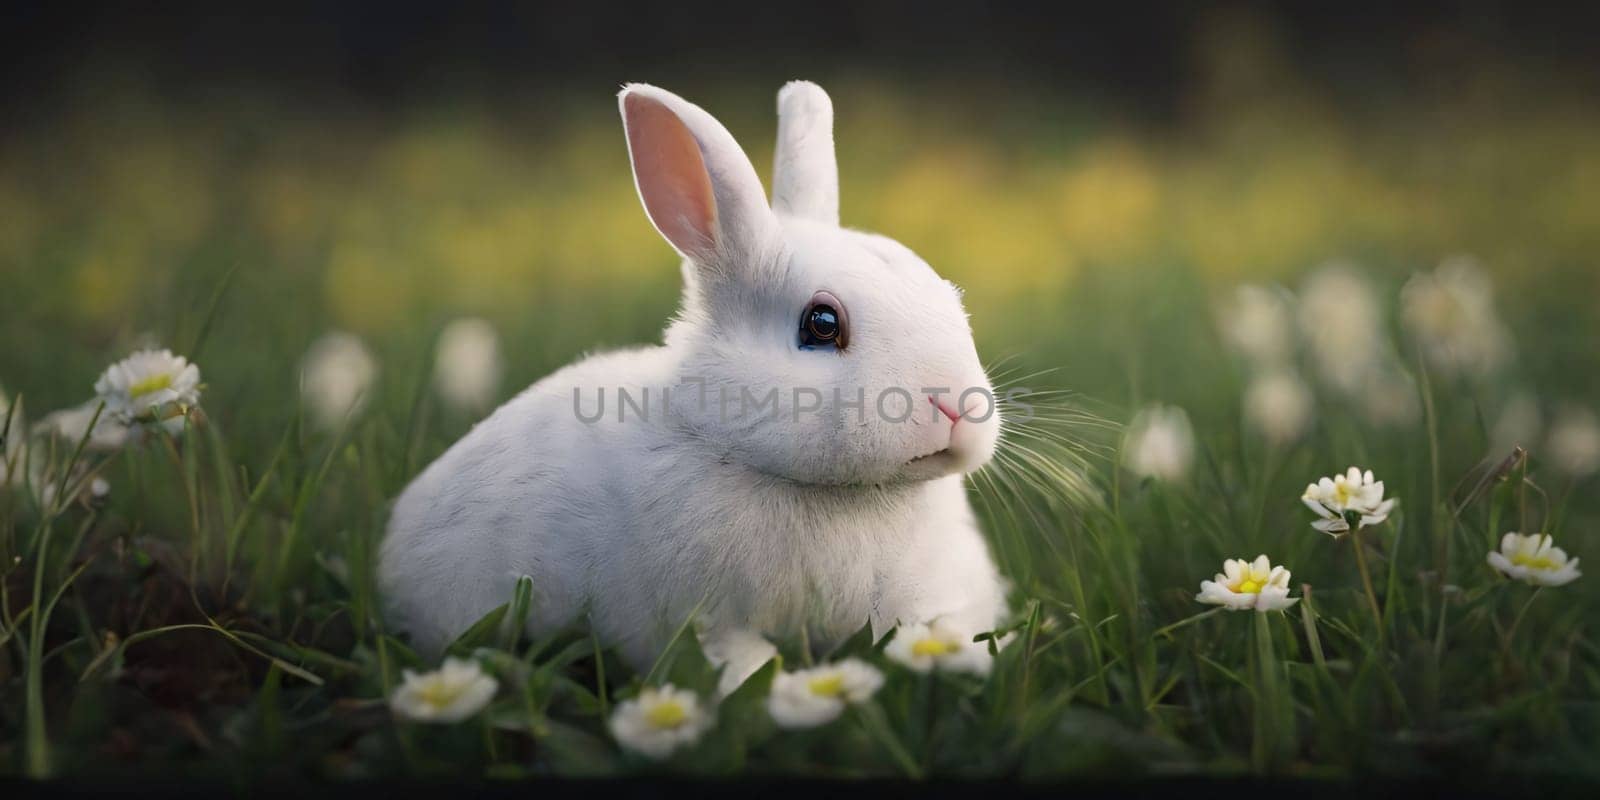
531,490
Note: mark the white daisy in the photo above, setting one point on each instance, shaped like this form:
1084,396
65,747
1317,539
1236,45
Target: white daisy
939,645
1450,312
810,697
70,424
453,692
660,720
1160,443
335,375
1574,444
150,385
467,365
1342,322
1355,492
1534,559
1278,405
1244,585
1257,321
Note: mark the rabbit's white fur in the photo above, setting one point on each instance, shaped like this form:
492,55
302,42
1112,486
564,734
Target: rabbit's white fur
768,524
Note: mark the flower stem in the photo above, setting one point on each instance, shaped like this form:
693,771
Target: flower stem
1366,581
1517,623
1308,618
37,742
1267,745
1441,531
872,718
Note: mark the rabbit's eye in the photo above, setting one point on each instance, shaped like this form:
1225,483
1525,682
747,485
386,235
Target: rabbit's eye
823,323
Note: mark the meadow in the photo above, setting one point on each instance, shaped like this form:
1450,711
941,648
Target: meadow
198,598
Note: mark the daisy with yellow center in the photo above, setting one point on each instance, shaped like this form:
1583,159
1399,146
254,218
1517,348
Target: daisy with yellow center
666,715
1355,494
660,720
1245,585
455,691
810,697
150,385
940,646
1534,559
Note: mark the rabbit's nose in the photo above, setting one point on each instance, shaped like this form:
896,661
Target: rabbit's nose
977,406
944,408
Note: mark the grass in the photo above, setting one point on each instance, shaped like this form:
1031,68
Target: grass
215,615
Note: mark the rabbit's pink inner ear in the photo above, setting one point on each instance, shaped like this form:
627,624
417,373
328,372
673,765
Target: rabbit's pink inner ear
671,175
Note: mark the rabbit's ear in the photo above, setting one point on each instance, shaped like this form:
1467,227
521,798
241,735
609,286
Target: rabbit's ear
805,177
698,187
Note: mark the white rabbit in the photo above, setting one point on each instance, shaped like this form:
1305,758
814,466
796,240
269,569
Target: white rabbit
812,515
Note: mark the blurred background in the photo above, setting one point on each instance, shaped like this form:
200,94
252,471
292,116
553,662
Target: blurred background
1273,239
1098,179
